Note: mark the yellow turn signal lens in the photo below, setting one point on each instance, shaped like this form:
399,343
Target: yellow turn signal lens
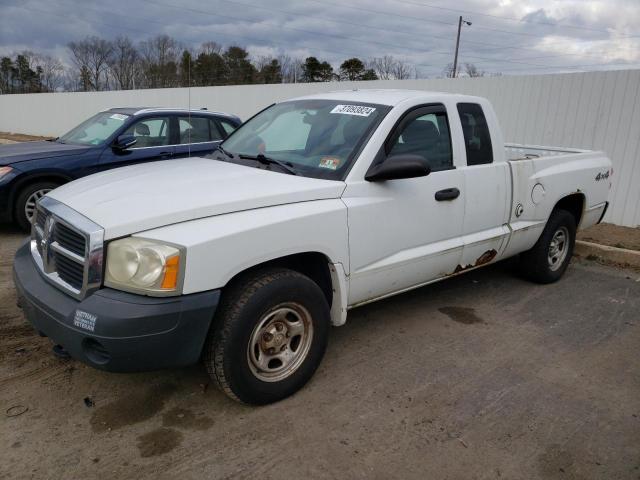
171,271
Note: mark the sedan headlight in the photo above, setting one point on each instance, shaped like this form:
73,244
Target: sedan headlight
144,266
4,171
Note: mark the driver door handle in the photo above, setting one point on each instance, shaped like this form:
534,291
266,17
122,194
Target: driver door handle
447,194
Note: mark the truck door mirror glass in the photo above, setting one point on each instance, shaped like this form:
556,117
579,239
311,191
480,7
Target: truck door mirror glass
125,141
397,167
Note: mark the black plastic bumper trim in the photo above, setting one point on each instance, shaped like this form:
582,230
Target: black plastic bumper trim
113,330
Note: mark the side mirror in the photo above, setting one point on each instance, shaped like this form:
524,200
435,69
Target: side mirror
397,167
124,141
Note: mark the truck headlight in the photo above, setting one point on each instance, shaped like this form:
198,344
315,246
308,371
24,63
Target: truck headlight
144,266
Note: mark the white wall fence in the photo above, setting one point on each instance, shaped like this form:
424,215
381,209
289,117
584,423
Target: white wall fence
595,110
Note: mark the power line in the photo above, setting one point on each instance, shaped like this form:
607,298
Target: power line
511,19
385,44
381,28
485,59
392,14
253,39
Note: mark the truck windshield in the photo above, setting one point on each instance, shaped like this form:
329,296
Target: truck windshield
95,130
318,138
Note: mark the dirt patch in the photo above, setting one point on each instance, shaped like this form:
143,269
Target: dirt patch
21,137
612,235
130,409
556,463
158,442
12,332
461,315
186,419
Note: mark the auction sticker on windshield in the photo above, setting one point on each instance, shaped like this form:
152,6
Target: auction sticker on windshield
331,163
353,110
118,116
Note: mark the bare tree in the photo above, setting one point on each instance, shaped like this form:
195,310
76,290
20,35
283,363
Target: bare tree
402,70
124,64
472,71
91,57
209,48
291,68
51,69
160,61
262,61
447,71
52,72
384,67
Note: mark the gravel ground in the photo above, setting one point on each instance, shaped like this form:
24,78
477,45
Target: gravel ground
612,235
482,376
6,137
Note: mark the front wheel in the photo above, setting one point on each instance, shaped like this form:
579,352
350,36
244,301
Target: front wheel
268,337
549,258
25,205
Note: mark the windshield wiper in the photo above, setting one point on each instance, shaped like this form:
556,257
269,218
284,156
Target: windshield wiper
286,166
228,154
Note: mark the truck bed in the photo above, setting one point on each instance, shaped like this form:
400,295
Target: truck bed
515,151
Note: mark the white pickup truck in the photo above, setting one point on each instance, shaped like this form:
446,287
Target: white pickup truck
314,206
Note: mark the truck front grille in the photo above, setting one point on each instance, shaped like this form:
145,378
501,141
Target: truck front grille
67,248
69,271
69,239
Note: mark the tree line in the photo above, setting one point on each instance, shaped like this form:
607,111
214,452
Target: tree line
162,61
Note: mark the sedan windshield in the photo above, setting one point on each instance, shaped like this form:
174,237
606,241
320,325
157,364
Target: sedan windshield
317,138
96,130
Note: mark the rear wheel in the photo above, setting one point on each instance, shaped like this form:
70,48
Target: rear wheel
549,258
26,200
269,336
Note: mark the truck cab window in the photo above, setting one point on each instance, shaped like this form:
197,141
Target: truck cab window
427,136
477,139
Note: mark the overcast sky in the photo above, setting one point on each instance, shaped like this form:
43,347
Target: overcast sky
509,36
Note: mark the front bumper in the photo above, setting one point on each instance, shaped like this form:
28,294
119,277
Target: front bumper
113,330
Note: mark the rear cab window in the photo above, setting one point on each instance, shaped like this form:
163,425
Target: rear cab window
477,138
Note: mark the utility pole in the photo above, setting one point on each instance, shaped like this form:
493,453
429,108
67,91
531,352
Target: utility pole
455,59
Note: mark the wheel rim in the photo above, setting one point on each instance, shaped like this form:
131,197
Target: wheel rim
32,200
558,248
280,342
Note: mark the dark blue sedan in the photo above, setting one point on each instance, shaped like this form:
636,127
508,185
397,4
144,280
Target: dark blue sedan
110,139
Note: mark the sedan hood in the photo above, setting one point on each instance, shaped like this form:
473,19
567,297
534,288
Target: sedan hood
141,197
19,152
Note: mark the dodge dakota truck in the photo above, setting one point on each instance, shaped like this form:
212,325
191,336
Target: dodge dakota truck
314,206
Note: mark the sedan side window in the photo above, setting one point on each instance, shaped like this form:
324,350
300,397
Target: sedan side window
228,127
428,136
197,130
150,132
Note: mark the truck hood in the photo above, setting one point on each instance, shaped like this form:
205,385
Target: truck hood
19,152
141,197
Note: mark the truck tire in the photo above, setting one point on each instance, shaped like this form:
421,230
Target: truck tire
26,202
549,258
268,337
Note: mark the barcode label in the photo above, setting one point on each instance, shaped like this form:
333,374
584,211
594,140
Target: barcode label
353,110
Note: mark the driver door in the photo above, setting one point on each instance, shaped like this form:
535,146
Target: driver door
152,143
405,233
